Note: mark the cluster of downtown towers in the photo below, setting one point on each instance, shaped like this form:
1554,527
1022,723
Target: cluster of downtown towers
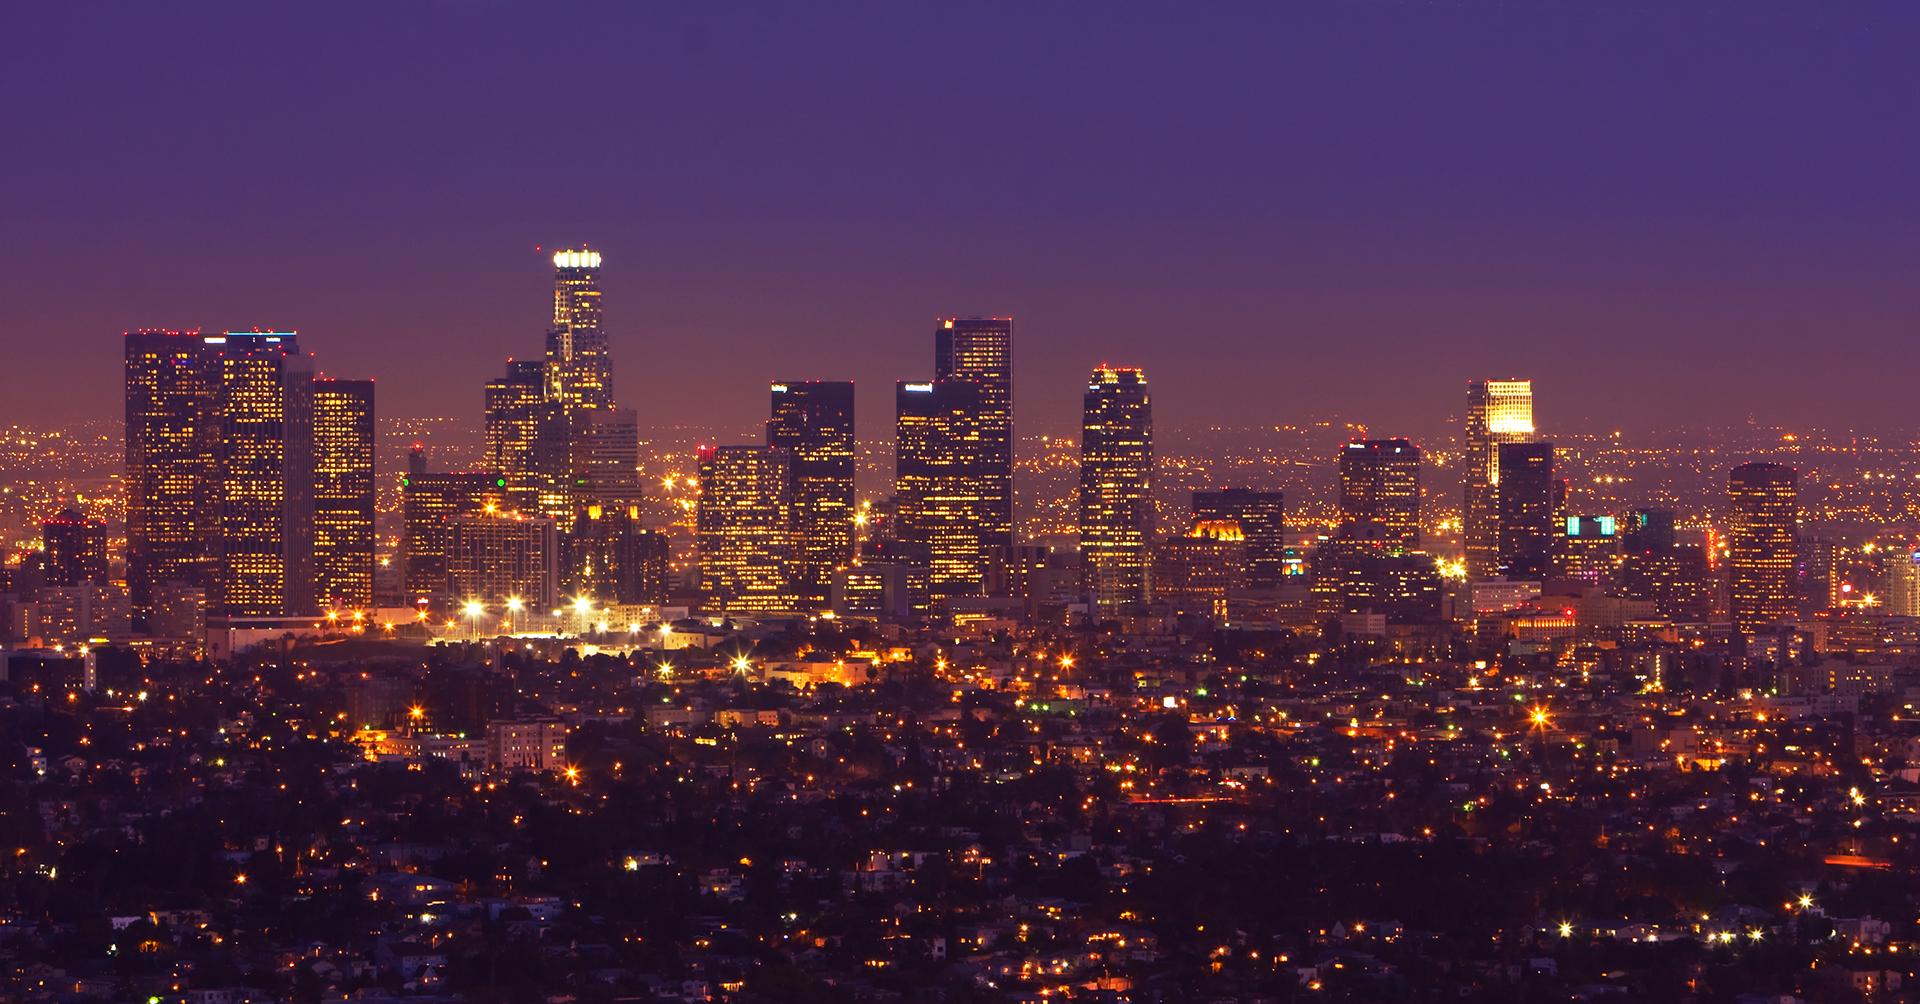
251,488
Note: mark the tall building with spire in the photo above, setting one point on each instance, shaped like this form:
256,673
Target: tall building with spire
1116,487
553,431
1498,411
580,368
813,421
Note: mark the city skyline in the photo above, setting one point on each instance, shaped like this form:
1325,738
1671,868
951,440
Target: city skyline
909,504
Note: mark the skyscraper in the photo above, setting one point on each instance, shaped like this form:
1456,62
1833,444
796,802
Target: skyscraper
980,351
172,439
745,524
264,395
813,421
222,462
940,482
343,493
1760,541
1498,411
76,549
1380,481
1261,517
581,370
527,440
1525,512
1116,486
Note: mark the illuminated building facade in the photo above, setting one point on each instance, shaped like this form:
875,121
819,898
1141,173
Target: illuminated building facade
1526,510
1380,481
496,558
941,481
1116,486
1193,574
579,366
1588,549
171,453
264,395
879,589
813,421
1498,411
76,549
745,525
1760,539
527,440
343,493
1261,517
1902,583
1676,578
428,503
612,558
1018,571
980,351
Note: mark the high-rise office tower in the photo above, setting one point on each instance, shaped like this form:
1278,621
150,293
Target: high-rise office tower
223,457
527,440
1116,486
1525,515
940,482
605,459
813,421
745,525
343,493
76,549
428,503
1760,545
1261,517
581,370
1380,481
171,452
264,395
1498,411
980,351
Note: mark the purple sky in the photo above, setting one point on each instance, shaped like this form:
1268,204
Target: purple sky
1663,212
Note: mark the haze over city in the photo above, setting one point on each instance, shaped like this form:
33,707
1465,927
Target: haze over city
1311,210
1313,503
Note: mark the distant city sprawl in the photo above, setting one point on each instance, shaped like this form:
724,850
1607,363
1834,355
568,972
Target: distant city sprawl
307,702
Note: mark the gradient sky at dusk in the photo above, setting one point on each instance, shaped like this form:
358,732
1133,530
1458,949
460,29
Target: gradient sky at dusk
1662,212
